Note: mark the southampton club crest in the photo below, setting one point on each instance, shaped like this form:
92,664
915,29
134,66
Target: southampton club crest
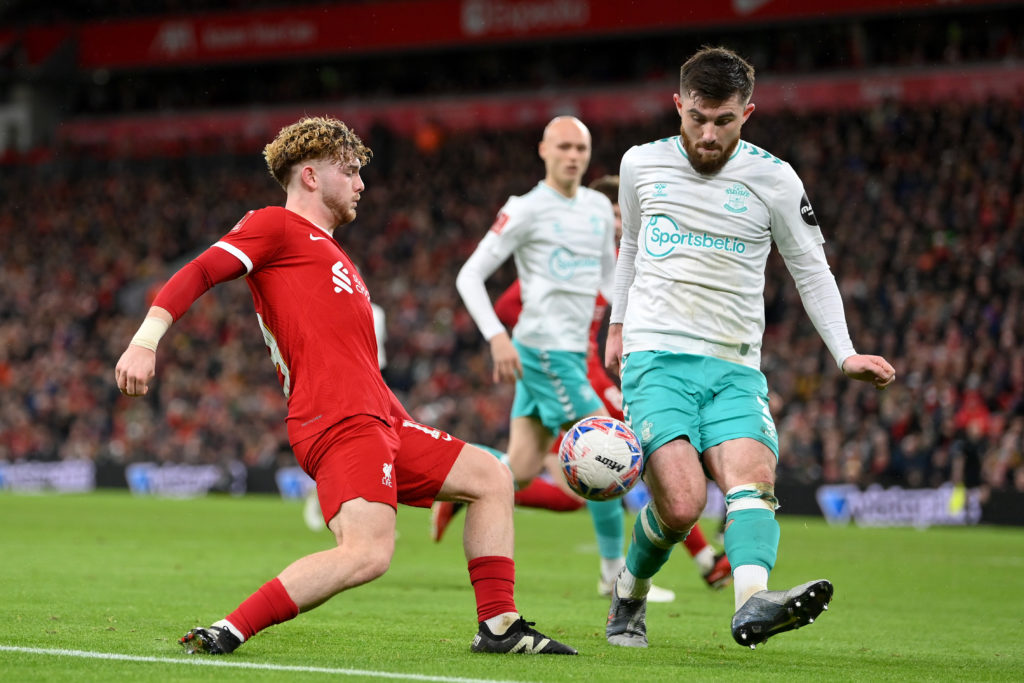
736,198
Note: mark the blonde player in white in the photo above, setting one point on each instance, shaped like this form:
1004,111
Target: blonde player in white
562,237
699,215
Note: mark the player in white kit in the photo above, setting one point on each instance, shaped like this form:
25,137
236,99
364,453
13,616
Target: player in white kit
699,215
562,238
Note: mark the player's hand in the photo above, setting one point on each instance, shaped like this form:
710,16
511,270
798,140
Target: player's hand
613,350
874,369
507,365
134,370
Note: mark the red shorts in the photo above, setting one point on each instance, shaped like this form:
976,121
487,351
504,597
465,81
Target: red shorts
361,457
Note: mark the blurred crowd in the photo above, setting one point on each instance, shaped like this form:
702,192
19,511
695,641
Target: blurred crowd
922,208
954,34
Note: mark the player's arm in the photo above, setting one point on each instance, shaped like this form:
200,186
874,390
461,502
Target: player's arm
798,237
625,270
137,364
492,251
824,305
607,286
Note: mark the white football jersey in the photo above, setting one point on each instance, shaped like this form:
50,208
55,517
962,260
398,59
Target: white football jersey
701,244
564,251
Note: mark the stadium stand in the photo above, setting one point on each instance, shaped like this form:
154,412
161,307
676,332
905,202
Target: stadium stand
922,204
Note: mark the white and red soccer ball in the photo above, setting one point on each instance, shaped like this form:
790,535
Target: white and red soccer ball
601,458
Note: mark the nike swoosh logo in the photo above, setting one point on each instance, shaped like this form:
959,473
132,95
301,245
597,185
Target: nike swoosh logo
314,238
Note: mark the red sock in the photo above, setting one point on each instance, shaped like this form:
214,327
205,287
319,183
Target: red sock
695,542
493,578
270,605
546,496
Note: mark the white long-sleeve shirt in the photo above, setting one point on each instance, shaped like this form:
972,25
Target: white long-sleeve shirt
564,251
691,269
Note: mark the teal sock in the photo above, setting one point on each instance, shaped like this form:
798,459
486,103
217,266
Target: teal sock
609,523
752,537
650,549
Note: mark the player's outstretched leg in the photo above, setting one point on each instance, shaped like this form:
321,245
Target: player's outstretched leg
214,640
767,613
518,638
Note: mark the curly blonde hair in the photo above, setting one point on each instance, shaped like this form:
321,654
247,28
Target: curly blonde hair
313,137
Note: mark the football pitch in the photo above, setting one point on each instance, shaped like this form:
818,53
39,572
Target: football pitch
98,587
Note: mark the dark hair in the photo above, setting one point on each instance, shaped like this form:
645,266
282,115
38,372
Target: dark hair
716,73
608,185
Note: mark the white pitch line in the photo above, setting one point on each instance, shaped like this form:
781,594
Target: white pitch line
204,661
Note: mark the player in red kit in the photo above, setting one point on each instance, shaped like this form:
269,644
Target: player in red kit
346,428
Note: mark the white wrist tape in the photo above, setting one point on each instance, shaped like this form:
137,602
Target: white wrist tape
150,332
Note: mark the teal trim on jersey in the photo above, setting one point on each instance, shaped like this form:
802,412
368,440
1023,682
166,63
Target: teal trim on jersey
752,537
567,200
755,151
554,387
707,400
679,146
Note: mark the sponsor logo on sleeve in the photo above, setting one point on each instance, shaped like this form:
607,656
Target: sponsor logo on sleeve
499,223
807,213
241,222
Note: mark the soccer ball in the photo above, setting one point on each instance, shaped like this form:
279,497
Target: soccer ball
601,458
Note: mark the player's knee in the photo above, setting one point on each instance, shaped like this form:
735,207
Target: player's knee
681,512
358,563
661,532
488,477
499,479
525,469
376,561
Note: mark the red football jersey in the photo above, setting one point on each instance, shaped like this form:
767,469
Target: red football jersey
314,312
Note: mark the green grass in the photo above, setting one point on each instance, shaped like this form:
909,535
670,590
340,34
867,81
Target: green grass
114,574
